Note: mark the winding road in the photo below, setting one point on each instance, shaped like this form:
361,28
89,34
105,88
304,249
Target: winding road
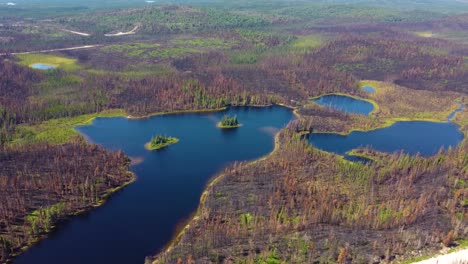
76,32
131,32
51,50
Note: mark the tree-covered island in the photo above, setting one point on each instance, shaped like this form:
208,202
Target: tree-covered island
159,142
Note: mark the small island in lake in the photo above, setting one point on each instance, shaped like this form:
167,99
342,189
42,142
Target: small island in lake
159,142
229,122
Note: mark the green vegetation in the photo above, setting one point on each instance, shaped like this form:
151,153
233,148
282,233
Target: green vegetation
205,43
229,122
246,219
246,57
42,220
424,34
307,43
159,142
63,63
131,50
150,51
57,131
272,258
171,52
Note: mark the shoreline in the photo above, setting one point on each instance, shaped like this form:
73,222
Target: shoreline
374,103
196,215
171,141
388,122
87,209
227,127
112,113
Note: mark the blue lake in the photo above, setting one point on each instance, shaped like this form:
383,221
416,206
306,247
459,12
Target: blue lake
139,220
345,103
142,218
41,66
411,137
368,89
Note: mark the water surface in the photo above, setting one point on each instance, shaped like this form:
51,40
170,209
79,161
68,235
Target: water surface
139,220
345,103
41,66
459,109
368,89
421,137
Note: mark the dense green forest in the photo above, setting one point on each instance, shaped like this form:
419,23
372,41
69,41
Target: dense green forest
300,204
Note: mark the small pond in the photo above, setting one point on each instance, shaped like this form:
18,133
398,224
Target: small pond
368,89
42,66
345,103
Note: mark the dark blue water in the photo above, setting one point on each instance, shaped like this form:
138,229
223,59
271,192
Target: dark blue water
142,218
345,103
411,137
41,66
368,89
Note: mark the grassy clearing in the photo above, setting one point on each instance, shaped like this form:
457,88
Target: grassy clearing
306,43
246,57
58,86
149,51
207,43
58,131
131,50
171,52
63,63
398,103
137,70
424,34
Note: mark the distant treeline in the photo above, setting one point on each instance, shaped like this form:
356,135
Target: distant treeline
209,80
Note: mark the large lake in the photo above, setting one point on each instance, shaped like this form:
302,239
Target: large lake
142,218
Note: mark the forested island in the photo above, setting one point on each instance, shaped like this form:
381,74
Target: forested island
159,142
229,122
299,204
